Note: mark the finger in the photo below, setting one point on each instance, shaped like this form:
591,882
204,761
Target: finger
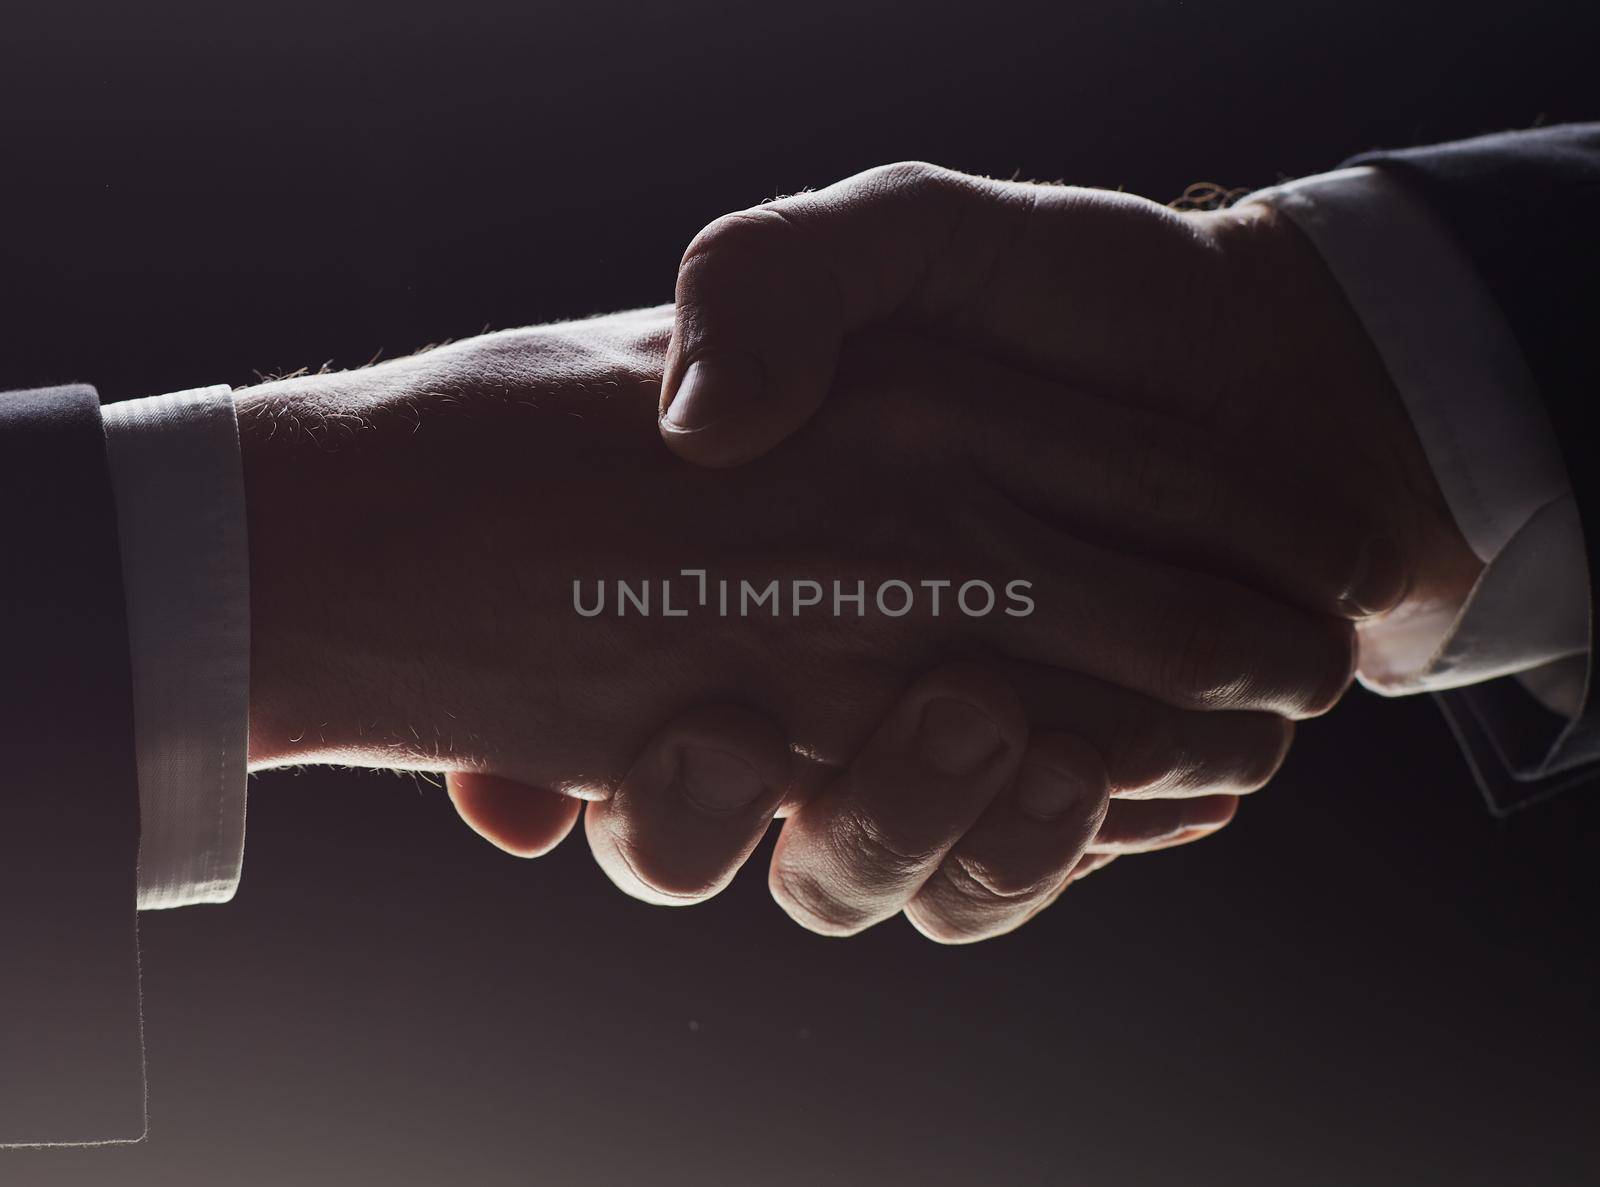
1115,472
857,853
1125,822
765,296
1139,826
522,820
1020,850
1150,749
1056,278
1088,864
694,804
1185,638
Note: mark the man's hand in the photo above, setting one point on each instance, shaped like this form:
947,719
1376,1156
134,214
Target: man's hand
1223,329
417,529
966,854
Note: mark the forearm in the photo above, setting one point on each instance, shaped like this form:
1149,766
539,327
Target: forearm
405,522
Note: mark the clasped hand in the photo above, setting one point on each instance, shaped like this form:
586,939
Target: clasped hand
1166,429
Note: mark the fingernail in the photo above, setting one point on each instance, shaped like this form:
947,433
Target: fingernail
1046,793
716,781
711,389
1381,579
956,737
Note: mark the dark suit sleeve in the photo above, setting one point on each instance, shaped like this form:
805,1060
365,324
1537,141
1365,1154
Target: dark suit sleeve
71,1050
1523,207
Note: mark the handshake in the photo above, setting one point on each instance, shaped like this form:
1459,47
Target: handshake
1000,530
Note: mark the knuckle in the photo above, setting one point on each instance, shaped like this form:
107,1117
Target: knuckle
780,223
953,909
806,899
744,232
1178,751
1149,752
912,189
1198,671
902,176
886,853
985,884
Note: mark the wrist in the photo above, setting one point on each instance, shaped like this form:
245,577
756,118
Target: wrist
402,558
291,685
1298,336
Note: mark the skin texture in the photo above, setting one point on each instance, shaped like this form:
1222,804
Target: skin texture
415,529
1214,337
1223,327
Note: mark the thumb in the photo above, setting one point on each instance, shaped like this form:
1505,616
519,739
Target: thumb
766,296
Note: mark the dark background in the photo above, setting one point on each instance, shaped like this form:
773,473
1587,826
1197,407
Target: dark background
1365,980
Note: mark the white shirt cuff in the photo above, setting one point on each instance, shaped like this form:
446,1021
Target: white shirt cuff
1481,420
178,483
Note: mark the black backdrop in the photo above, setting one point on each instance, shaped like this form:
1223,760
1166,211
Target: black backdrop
1365,980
